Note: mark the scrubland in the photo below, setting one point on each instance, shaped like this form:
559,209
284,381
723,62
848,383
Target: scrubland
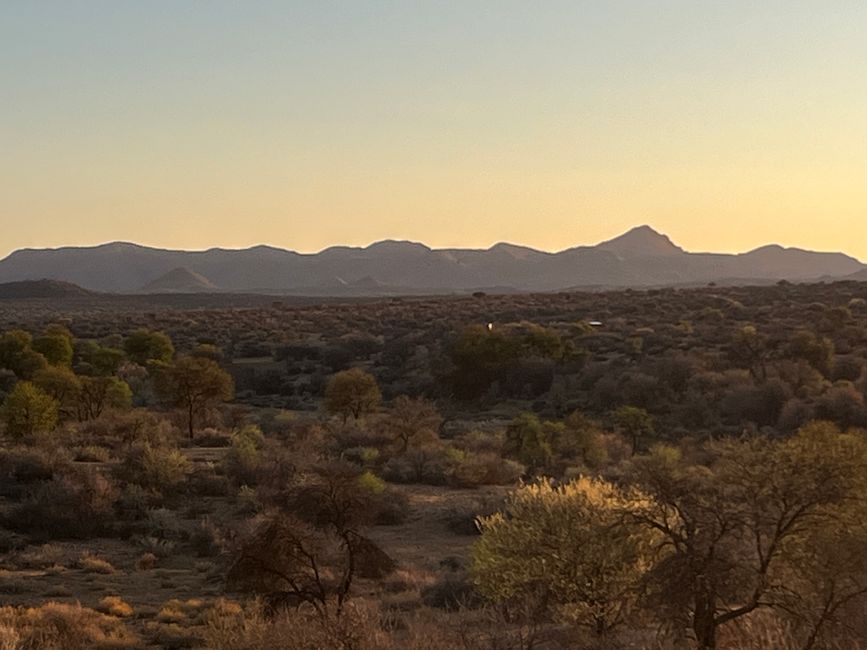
658,469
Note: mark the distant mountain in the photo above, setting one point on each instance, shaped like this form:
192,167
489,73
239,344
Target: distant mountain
180,280
643,241
25,289
641,257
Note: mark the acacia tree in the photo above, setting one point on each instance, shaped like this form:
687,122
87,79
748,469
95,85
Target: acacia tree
143,346
63,385
98,393
731,527
635,423
28,410
17,355
352,392
55,345
310,548
824,586
530,440
566,551
194,384
412,421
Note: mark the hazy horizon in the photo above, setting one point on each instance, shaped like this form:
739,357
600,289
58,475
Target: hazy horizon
303,125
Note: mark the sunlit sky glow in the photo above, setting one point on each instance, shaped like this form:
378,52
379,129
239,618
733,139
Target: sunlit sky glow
185,124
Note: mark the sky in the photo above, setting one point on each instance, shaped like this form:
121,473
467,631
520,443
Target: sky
189,124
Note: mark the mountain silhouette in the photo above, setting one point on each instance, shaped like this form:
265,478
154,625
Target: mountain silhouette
25,289
641,257
179,280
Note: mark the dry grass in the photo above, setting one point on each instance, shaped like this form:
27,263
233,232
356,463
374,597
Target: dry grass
93,564
57,626
116,606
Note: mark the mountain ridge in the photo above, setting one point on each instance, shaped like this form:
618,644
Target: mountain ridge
641,257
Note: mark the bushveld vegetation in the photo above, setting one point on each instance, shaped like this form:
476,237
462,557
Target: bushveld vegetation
659,469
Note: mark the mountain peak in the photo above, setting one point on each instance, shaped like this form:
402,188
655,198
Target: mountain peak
641,241
180,280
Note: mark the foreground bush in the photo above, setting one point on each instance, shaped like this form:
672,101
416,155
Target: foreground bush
58,626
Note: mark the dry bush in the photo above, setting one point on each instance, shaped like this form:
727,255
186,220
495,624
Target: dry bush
115,606
93,564
146,562
58,626
116,428
40,557
473,470
230,627
92,454
76,504
24,465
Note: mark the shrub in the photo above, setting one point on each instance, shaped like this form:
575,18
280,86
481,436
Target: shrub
394,508
58,626
453,591
92,454
93,564
473,470
77,504
116,606
28,410
146,562
159,469
206,539
243,460
30,464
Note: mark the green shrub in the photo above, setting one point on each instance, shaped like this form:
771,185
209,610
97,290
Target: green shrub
159,469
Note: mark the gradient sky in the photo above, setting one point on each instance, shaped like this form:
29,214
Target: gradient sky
726,124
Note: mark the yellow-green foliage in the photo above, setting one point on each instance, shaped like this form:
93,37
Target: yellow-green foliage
156,468
568,548
243,459
370,482
28,410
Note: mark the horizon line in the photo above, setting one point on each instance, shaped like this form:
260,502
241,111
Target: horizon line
388,240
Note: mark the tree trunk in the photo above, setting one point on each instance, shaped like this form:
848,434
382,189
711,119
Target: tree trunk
703,623
190,421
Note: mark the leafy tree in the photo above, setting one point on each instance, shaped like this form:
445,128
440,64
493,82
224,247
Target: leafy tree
579,438
55,345
634,423
731,528
751,349
352,392
815,350
826,579
99,393
529,440
479,356
194,384
62,385
94,359
208,351
17,355
142,346
413,421
28,410
564,550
